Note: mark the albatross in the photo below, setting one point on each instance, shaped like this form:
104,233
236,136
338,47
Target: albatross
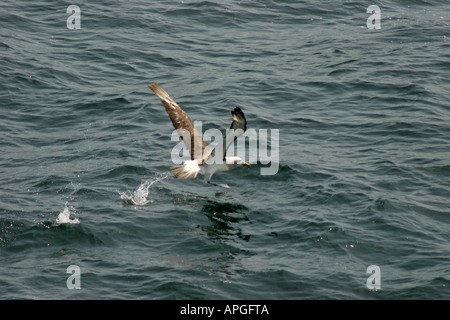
204,160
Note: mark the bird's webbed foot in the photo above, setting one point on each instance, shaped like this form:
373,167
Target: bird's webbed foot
219,185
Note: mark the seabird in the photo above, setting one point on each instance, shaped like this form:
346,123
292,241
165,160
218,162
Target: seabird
204,160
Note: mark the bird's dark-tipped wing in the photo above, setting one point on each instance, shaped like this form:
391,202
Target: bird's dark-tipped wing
183,124
237,128
239,121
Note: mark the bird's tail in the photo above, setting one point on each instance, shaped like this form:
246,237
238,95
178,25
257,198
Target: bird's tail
185,171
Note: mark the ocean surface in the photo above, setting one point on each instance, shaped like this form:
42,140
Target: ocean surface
89,209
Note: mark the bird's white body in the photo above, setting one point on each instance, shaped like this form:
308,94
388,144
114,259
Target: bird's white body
230,163
191,168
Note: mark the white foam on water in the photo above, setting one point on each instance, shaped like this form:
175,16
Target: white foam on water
140,197
64,216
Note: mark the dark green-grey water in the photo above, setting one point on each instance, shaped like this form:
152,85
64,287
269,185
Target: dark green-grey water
363,171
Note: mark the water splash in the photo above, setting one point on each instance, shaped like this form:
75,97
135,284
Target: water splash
64,216
140,197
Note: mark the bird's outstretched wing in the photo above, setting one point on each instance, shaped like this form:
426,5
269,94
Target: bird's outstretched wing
237,128
183,124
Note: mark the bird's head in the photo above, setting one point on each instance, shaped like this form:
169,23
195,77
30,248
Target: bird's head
237,161
246,164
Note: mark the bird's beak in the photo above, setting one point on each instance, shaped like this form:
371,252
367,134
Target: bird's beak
246,164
